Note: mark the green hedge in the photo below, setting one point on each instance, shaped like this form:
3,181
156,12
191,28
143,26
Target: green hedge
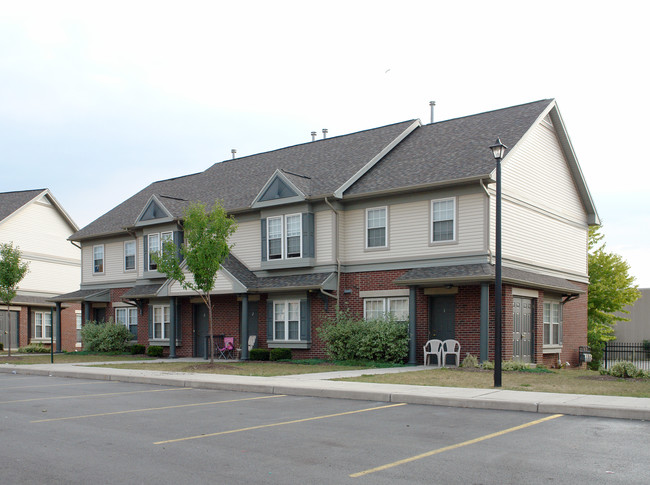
155,351
105,337
280,354
349,338
137,349
34,349
259,354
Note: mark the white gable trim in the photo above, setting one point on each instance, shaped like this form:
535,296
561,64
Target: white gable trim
287,200
338,193
39,197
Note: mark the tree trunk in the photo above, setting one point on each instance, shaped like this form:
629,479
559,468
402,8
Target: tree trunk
9,326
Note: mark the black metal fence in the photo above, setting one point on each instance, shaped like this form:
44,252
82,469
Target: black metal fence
637,353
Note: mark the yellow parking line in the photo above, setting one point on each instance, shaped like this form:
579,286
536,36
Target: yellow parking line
95,395
155,409
278,424
60,385
453,447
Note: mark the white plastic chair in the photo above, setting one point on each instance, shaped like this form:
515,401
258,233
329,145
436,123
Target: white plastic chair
451,347
433,347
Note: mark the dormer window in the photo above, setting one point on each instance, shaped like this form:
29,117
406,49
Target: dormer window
285,236
156,242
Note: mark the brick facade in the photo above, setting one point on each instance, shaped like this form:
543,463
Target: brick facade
68,326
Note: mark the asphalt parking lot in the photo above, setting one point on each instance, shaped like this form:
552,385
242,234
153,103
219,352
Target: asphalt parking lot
83,431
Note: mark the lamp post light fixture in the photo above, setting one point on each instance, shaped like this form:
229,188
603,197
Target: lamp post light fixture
498,151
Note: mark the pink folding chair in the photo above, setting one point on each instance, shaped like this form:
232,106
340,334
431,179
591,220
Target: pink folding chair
227,351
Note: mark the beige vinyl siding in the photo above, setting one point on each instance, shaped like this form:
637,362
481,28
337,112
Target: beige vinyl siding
532,237
50,277
113,263
247,244
39,228
539,174
324,235
409,232
222,285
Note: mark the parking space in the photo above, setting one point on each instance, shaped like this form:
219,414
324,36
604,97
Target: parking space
80,431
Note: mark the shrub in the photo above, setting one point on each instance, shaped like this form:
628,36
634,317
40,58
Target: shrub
34,349
624,370
470,361
259,354
280,354
137,349
350,338
487,365
155,351
105,337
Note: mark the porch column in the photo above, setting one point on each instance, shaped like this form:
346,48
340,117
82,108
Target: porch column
412,326
243,342
485,319
173,317
58,327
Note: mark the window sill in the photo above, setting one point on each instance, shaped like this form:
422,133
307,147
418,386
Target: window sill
285,344
288,263
162,342
42,340
552,349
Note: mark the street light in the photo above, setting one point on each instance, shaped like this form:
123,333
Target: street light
498,151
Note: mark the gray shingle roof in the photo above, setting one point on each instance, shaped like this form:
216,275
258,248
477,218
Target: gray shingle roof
449,150
328,164
10,202
141,291
484,272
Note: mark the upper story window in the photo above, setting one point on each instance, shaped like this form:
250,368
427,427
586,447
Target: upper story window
129,255
376,227
443,220
552,323
156,242
98,258
286,320
284,236
375,308
129,318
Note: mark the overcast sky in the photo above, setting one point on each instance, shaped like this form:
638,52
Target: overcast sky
99,99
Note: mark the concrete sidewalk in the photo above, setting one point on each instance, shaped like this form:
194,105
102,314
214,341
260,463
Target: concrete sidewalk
319,385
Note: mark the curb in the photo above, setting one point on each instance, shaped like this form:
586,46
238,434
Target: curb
372,392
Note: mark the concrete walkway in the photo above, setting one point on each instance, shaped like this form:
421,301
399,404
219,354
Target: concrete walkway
320,385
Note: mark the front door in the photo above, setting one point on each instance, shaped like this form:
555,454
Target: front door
442,317
7,319
201,329
99,314
522,325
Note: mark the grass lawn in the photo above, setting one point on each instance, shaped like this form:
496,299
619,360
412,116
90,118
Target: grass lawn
66,358
574,381
262,369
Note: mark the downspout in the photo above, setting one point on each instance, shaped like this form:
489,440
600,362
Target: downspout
338,261
488,225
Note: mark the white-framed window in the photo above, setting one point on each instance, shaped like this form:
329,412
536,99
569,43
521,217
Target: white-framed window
286,320
374,308
376,227
443,220
552,323
78,323
274,228
129,255
284,239
128,316
161,321
42,325
98,259
293,225
156,243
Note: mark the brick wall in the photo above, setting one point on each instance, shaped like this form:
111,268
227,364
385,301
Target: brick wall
68,326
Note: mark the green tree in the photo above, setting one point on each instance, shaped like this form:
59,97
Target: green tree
12,271
205,247
611,289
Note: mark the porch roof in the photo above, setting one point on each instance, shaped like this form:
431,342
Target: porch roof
468,273
101,295
142,291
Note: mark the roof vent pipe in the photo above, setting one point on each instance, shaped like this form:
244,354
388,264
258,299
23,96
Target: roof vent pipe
313,136
432,104
234,152
324,133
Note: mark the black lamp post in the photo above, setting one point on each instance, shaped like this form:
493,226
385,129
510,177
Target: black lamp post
498,151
